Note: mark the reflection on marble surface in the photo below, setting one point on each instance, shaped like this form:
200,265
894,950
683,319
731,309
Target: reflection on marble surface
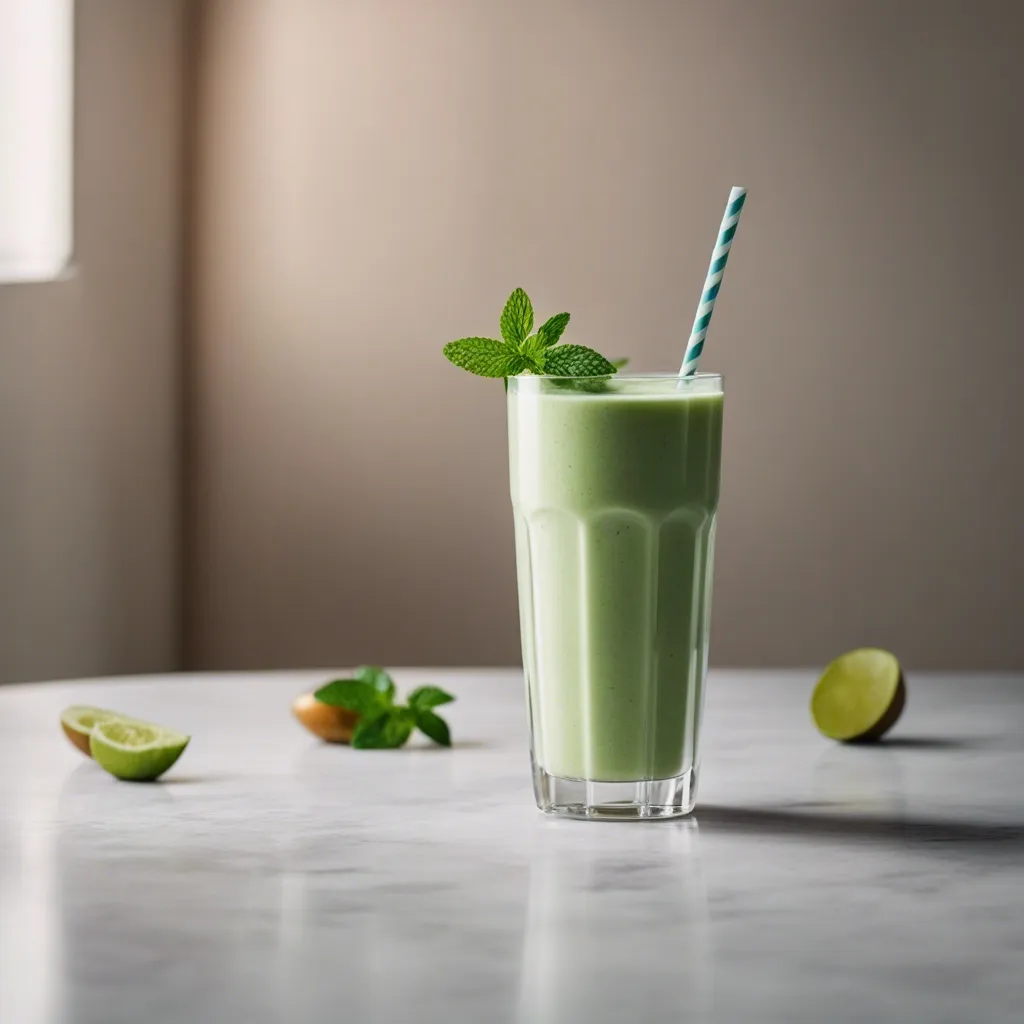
273,879
595,920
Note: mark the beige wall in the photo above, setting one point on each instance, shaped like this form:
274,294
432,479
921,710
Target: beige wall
375,178
88,377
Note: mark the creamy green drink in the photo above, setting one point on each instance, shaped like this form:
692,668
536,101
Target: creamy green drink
615,490
615,485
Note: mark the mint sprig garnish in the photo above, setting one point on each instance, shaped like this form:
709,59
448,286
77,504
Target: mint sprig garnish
384,724
519,351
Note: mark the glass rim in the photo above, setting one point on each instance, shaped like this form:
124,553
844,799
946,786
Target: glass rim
620,376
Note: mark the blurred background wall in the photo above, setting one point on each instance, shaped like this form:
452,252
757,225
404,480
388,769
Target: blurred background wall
89,366
377,175
367,179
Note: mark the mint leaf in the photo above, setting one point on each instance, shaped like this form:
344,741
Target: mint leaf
552,329
517,318
353,694
576,361
532,350
485,357
382,724
429,697
378,679
398,727
371,733
435,727
385,731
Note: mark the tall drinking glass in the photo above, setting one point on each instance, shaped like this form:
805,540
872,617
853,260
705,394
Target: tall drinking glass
615,491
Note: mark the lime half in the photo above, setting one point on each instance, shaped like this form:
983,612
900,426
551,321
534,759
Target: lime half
860,696
136,751
78,721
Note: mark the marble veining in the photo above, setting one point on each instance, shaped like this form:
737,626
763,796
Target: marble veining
272,879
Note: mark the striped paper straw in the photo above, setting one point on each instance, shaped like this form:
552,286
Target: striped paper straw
713,282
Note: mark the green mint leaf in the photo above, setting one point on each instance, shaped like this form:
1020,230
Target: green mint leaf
517,318
485,357
378,679
371,733
532,351
435,727
551,330
400,725
620,364
428,697
353,694
517,364
576,361
387,730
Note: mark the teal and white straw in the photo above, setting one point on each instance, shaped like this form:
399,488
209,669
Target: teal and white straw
713,282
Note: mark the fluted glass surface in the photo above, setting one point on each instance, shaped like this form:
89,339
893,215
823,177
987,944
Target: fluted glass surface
615,491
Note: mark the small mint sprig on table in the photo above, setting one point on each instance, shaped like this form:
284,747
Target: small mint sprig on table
383,724
523,352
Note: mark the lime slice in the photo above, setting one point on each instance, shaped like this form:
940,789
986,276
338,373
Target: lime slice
78,721
860,695
135,750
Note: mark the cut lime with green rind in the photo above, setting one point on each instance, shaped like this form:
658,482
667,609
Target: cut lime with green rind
79,720
135,751
860,696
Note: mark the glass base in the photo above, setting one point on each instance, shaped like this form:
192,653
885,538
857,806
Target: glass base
615,801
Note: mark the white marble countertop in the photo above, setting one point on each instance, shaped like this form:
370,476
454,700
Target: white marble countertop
270,878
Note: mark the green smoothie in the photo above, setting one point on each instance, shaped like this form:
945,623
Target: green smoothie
615,492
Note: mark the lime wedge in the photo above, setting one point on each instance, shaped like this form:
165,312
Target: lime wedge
859,696
78,721
135,750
